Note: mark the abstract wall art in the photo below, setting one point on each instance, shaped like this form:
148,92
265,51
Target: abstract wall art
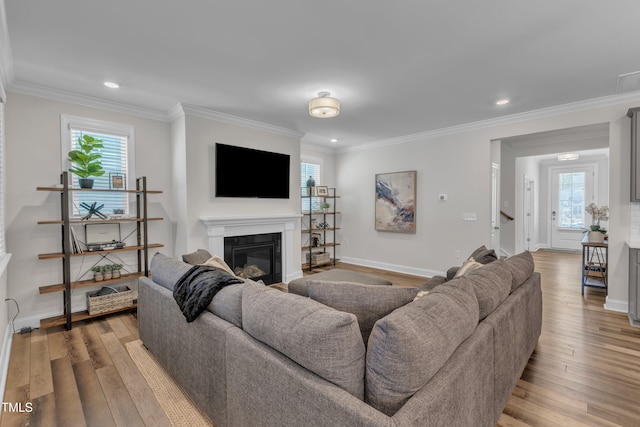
396,202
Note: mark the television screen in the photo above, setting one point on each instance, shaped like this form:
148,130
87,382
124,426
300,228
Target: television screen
234,177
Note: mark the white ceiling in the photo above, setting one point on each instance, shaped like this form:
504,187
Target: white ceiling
399,68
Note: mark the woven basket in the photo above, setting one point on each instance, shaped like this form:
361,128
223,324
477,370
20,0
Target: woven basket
112,302
319,258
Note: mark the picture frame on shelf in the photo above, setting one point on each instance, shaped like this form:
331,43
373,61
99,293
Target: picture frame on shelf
322,191
117,181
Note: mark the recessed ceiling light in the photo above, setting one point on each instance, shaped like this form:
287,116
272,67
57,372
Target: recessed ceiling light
333,140
112,85
503,101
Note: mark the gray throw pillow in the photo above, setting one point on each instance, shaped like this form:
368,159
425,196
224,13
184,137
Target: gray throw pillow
368,303
198,257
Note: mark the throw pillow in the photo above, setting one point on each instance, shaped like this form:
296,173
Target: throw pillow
484,255
469,265
368,303
216,261
198,257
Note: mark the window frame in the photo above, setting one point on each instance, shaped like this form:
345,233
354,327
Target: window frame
91,125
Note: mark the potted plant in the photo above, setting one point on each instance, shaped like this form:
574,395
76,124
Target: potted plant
325,206
97,273
596,232
115,270
107,272
86,160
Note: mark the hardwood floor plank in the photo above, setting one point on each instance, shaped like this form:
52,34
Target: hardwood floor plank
15,395
19,362
40,379
44,411
118,327
123,410
96,350
69,411
94,403
76,350
57,343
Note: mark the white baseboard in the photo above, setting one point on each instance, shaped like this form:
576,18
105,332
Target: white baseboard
4,357
393,267
616,305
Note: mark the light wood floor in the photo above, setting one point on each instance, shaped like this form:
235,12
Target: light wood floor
584,371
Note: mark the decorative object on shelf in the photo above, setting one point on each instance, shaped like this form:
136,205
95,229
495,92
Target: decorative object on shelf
595,232
117,181
323,225
324,106
93,210
118,300
316,240
97,273
323,191
325,207
86,160
311,182
395,203
313,225
107,272
115,270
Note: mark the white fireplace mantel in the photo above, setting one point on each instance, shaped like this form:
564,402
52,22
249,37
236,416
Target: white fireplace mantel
219,227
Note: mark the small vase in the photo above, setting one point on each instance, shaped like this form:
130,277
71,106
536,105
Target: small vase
85,182
115,274
98,277
596,237
107,275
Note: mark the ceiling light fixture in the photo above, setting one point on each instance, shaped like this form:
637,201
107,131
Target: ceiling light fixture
112,85
503,101
568,156
334,140
324,106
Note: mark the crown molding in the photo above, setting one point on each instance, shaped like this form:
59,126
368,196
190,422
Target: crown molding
87,101
315,147
589,104
206,113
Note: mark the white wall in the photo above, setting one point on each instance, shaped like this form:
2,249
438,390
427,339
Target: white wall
458,162
33,159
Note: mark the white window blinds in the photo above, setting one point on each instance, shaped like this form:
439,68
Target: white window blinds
308,170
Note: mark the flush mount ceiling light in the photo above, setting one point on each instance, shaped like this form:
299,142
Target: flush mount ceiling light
503,101
112,85
324,106
334,140
568,156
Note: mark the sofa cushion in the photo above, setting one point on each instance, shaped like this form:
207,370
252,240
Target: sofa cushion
321,339
407,347
367,303
197,257
227,304
166,271
491,284
521,267
299,286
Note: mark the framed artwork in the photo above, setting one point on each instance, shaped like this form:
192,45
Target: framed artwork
323,191
395,204
117,182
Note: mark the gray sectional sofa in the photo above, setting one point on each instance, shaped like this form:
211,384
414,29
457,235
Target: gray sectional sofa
262,357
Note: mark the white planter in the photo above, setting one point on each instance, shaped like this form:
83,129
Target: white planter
596,237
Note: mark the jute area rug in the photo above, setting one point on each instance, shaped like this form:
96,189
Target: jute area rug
179,408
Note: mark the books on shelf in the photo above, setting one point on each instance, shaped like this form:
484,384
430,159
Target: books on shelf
76,244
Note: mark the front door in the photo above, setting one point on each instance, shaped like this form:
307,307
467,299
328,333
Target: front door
571,190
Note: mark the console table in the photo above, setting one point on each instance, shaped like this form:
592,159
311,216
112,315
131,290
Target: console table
595,260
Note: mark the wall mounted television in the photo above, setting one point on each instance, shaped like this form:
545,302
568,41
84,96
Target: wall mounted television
234,176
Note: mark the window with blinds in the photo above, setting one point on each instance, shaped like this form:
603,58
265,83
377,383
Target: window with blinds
114,163
307,171
117,162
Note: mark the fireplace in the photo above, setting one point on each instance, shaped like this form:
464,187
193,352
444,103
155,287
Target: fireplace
287,225
256,256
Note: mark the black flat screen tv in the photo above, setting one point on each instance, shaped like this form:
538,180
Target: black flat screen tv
250,173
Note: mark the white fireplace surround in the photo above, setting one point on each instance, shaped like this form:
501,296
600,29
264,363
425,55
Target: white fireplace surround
219,227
